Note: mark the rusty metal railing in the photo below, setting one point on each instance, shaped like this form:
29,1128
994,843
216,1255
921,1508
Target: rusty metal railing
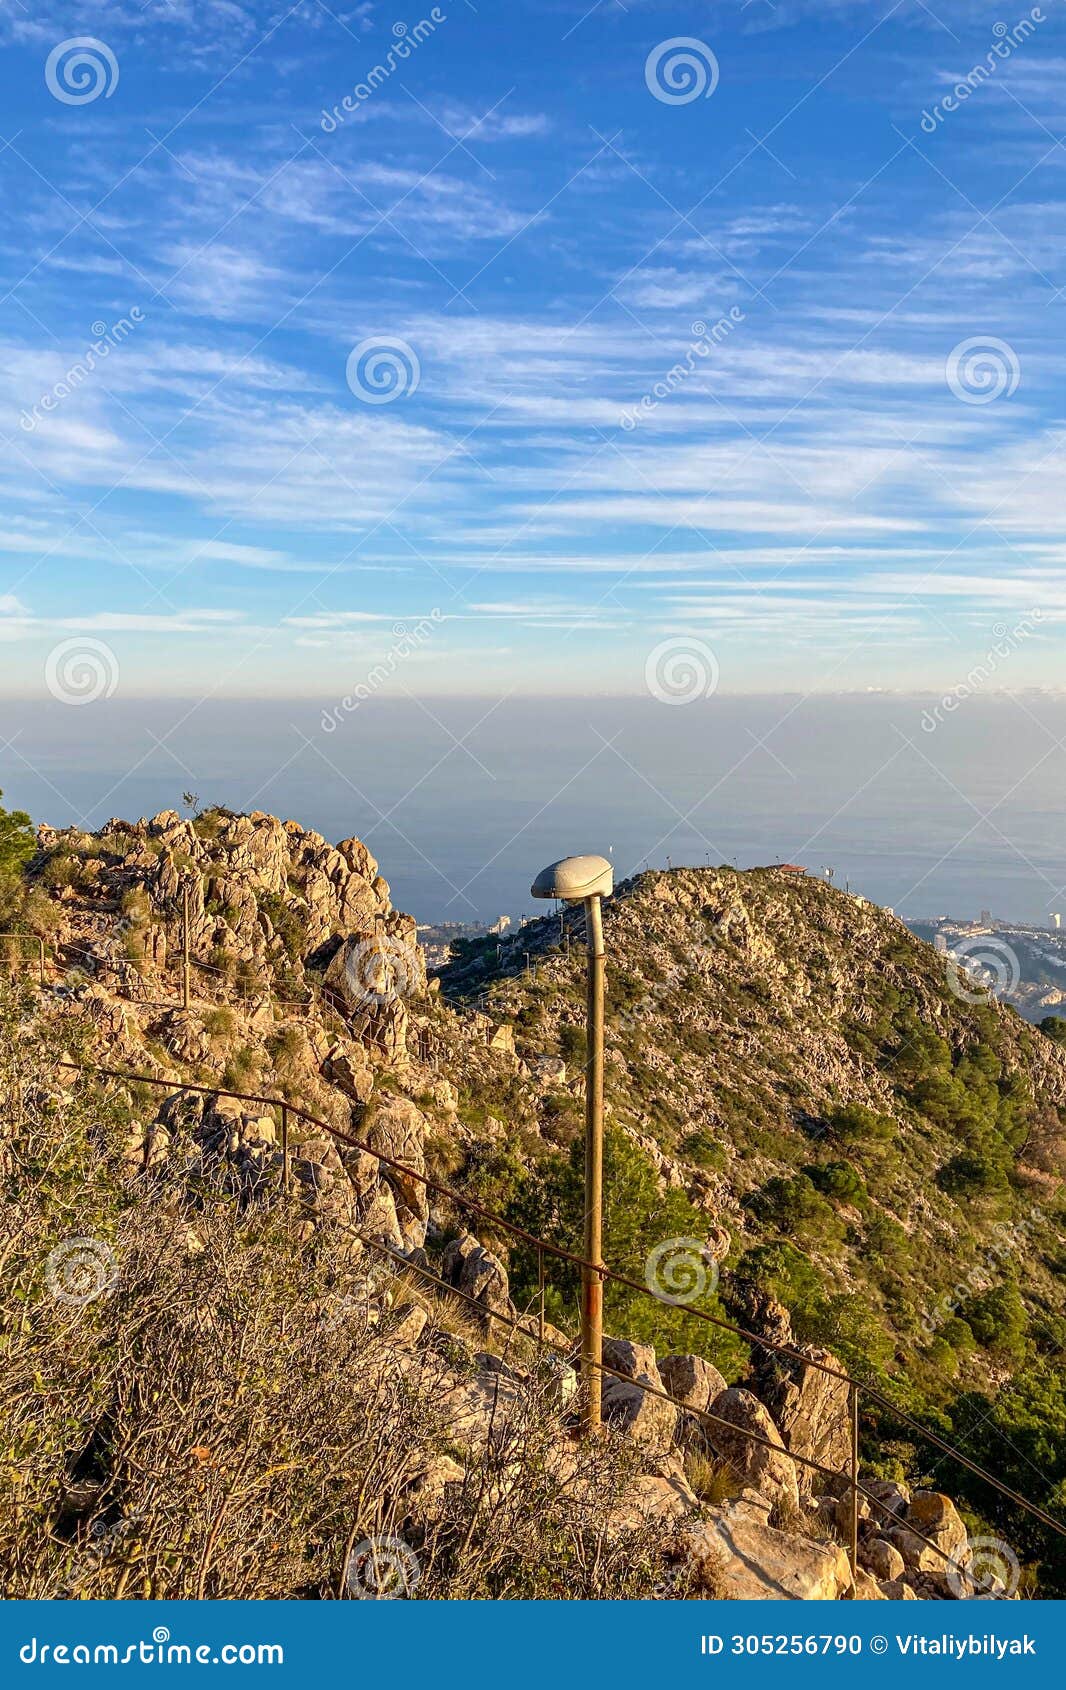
543,1247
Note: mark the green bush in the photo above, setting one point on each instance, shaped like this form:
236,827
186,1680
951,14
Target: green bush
839,1181
972,1176
795,1206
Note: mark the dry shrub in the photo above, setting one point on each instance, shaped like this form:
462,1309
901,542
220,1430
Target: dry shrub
224,1418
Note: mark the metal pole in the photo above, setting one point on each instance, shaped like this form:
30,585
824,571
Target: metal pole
285,1149
591,1281
853,1521
540,1290
185,944
40,947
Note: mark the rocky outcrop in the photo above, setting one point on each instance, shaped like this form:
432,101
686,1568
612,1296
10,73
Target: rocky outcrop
478,1275
755,1561
394,1127
643,1416
765,1465
931,1523
812,1411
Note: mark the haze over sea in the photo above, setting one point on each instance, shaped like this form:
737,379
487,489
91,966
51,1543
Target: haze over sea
463,799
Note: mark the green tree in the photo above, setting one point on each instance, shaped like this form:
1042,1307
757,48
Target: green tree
17,840
648,1234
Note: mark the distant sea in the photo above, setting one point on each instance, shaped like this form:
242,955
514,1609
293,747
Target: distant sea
462,800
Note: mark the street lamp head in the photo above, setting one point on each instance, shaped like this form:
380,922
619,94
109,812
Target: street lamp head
575,878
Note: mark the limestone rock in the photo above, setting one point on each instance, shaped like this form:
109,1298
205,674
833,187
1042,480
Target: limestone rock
647,1418
346,1066
408,1323
694,1382
882,1559
756,1561
811,1410
396,1128
897,1591
867,1589
938,1520
768,1469
478,1274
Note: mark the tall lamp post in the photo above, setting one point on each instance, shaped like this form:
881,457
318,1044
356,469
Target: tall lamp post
586,880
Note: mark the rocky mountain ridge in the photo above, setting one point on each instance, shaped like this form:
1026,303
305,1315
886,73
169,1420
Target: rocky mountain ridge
746,1014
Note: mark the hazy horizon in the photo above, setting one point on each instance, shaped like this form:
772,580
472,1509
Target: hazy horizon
462,801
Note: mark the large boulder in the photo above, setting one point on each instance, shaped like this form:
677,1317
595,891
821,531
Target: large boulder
761,1461
396,1128
754,1561
938,1521
693,1382
477,1274
627,1406
811,1409
881,1558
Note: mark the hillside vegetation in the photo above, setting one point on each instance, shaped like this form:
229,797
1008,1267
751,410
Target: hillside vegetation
856,1151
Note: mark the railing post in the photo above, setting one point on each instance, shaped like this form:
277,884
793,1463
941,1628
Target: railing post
540,1293
591,1276
185,944
40,948
853,1516
285,1149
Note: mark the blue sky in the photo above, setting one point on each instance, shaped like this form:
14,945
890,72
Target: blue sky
853,477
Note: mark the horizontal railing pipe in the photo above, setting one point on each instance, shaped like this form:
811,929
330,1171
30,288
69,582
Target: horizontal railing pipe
473,1206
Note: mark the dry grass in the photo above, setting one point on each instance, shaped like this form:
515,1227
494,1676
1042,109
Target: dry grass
207,1427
